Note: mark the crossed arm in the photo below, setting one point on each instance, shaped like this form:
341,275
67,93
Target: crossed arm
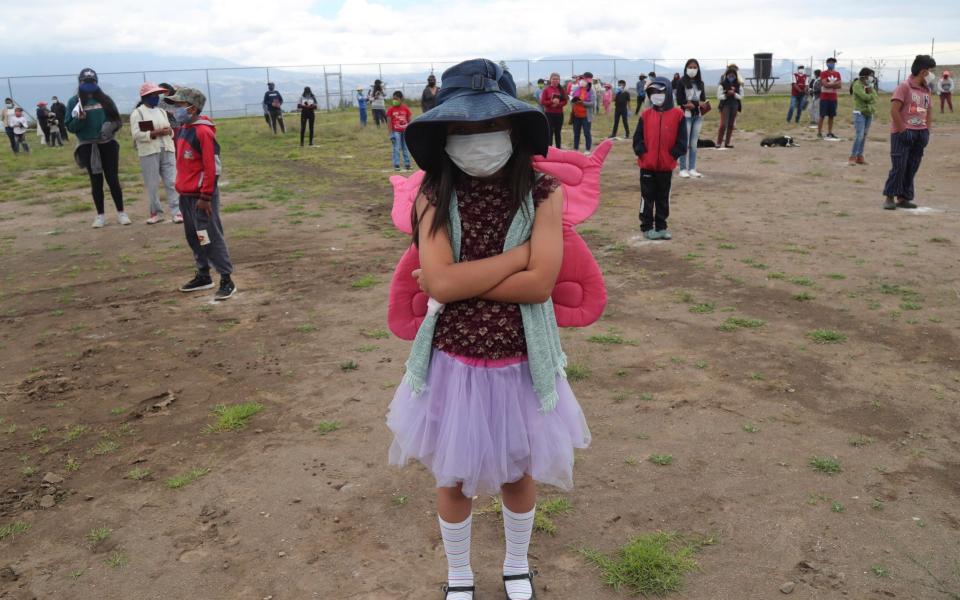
525,274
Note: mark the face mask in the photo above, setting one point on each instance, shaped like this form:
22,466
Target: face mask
621,87
830,66
89,87
930,78
800,71
692,72
182,115
395,103
657,99
480,154
9,104
731,78
151,101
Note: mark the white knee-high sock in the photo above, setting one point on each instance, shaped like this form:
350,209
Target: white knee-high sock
456,543
517,527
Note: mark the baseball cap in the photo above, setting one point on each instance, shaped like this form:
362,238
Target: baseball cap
191,96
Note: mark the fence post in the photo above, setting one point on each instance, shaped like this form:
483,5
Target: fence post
209,93
9,89
340,102
572,68
144,76
380,71
529,83
268,74
614,71
326,87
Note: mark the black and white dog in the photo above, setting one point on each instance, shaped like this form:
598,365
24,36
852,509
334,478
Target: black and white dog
784,141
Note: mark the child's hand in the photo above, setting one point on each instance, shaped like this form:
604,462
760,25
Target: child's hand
421,282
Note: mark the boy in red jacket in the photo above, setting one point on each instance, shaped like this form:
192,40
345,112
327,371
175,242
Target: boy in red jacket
658,141
198,172
399,117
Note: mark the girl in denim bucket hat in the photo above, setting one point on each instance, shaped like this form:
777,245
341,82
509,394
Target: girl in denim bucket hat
485,404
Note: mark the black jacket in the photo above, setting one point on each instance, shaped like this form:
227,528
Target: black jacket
699,97
621,100
59,109
428,100
736,87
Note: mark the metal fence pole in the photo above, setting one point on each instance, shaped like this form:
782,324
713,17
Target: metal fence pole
144,77
209,93
529,83
380,71
326,87
340,102
572,69
9,90
614,70
268,74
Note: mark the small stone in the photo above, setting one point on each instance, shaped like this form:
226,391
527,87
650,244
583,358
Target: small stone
258,430
788,587
336,519
281,554
88,498
297,500
47,501
52,478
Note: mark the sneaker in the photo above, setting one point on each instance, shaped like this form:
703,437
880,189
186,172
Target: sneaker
177,218
819,136
154,219
651,234
695,173
730,146
99,222
200,281
889,204
830,136
684,173
852,160
906,204
227,289
664,234
861,160
396,169
122,218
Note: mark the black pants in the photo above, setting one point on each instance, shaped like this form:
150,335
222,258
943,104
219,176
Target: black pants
555,120
906,154
654,199
215,253
110,159
63,131
379,116
640,100
46,134
307,116
13,139
276,116
618,114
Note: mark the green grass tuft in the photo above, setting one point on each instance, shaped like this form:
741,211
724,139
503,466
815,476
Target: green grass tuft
364,282
325,427
826,336
650,565
233,417
577,372
180,481
240,207
13,529
734,323
702,308
661,459
825,464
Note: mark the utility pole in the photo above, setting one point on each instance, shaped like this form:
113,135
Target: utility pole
932,40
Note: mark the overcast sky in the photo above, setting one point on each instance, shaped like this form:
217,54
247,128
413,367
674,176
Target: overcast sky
287,32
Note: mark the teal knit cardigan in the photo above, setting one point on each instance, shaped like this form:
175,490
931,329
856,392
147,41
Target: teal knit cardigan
546,359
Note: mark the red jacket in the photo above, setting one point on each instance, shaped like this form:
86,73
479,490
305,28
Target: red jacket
546,99
799,86
660,138
197,172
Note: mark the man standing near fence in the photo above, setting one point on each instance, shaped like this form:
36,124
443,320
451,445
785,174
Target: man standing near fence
798,93
60,110
273,108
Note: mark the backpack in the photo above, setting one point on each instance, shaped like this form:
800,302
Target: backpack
189,134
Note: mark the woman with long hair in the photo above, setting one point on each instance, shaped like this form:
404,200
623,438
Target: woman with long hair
93,116
864,91
308,108
692,100
729,94
378,103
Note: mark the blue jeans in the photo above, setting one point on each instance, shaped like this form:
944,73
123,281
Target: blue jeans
581,124
399,140
694,125
796,103
363,116
862,125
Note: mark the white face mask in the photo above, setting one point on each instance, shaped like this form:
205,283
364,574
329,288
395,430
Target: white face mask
480,154
658,99
692,72
930,78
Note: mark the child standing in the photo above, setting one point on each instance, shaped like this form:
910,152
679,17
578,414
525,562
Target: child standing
607,98
831,82
583,99
660,139
53,124
362,106
398,115
554,98
308,113
945,88
864,107
20,125
198,175
621,109
484,403
729,96
798,92
911,112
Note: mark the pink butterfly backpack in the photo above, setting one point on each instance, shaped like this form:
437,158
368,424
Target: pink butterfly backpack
579,295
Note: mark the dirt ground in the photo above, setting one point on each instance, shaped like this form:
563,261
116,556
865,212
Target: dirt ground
93,336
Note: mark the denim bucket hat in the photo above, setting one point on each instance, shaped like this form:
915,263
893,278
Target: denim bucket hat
473,91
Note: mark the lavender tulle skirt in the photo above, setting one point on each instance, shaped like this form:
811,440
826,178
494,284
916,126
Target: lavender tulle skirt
482,426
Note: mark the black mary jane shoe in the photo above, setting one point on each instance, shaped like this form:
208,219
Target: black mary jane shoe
506,578
447,590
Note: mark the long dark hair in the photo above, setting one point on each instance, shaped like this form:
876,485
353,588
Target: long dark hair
109,106
378,87
440,183
864,72
686,78
309,94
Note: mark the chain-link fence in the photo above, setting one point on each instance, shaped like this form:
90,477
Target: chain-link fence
238,91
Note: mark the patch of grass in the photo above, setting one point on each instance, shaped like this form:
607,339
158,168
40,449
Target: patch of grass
734,323
703,308
233,417
71,207
375,334
880,571
650,565
727,246
701,364
861,441
911,305
802,280
325,427
138,474
75,432
825,464
117,560
105,447
751,428
240,207
72,464
826,336
576,372
306,328
189,477
661,459
98,534
37,434
837,507
803,297
777,275
13,529
364,282
350,365
608,339
399,499
836,276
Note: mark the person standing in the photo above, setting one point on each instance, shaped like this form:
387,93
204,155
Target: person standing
308,113
660,138
911,113
399,117
641,92
692,100
153,139
607,98
60,109
20,125
829,95
428,99
674,86
6,113
583,99
53,124
798,93
378,103
864,107
362,106
730,95
621,109
945,88
553,99
814,87
43,122
273,105
93,116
